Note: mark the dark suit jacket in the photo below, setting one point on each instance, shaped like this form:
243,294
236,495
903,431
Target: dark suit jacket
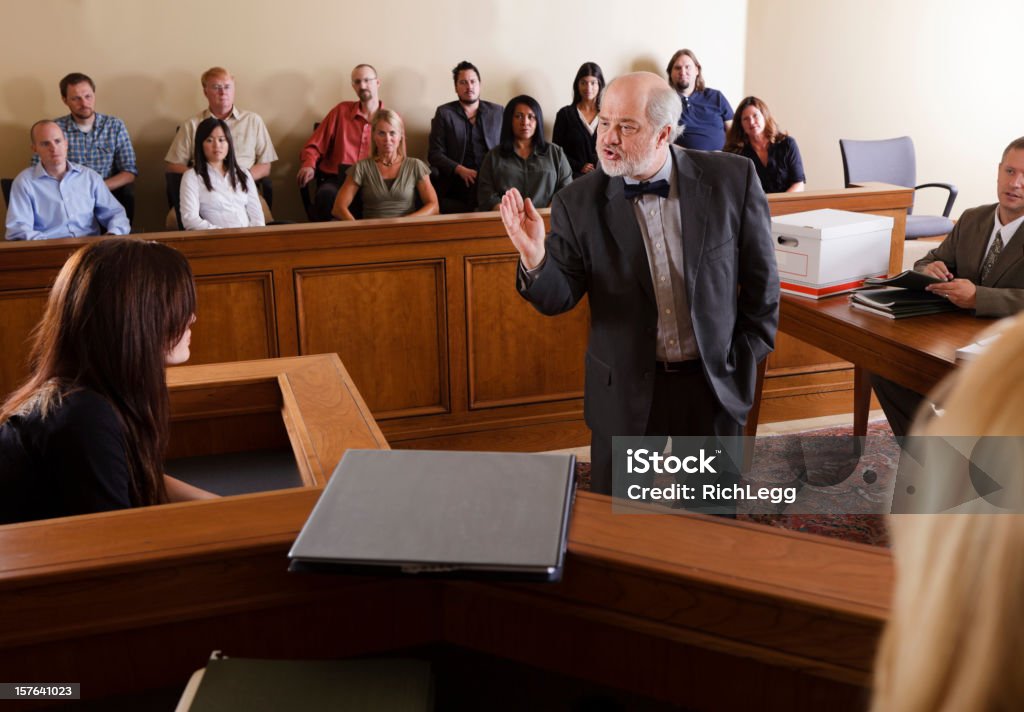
576,141
448,137
595,247
963,252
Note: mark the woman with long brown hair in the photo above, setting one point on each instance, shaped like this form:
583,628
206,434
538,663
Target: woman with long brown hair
88,430
775,154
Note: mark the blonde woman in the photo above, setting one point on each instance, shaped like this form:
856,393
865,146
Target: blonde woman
954,640
388,181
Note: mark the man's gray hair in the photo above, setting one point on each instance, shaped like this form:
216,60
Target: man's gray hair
664,107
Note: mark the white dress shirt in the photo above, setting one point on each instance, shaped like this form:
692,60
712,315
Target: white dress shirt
224,206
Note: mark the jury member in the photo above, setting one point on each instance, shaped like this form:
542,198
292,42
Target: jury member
523,159
217,192
576,124
461,134
981,263
95,140
775,154
87,431
389,180
706,114
673,249
254,150
341,139
58,198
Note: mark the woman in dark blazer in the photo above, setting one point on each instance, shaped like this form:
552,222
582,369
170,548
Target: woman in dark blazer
576,124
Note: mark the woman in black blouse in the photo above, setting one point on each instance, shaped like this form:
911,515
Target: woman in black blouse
576,124
87,431
775,154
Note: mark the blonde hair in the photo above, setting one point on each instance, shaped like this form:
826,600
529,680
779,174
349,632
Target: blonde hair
392,118
954,639
214,72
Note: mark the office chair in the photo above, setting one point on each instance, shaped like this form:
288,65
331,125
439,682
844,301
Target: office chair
892,161
5,185
125,195
172,189
307,193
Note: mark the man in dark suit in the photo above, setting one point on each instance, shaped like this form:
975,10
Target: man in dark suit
674,249
461,134
982,263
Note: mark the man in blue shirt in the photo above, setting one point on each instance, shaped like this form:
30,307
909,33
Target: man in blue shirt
57,198
707,114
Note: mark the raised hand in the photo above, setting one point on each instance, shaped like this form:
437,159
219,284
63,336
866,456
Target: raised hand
524,226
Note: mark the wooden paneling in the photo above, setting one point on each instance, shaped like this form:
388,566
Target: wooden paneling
136,599
388,322
20,311
241,326
516,354
423,311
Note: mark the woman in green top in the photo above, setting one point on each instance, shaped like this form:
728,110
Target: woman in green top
388,181
522,159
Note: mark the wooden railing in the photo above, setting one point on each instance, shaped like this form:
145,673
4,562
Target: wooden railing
134,600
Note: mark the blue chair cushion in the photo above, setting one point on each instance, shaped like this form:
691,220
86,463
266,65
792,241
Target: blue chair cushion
927,226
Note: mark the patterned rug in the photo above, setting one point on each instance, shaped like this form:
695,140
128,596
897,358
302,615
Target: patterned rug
842,487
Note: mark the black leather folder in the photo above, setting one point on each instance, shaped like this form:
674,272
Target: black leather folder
441,513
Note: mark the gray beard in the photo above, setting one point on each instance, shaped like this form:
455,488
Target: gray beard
627,167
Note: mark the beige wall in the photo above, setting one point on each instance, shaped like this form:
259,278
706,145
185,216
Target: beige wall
291,62
945,73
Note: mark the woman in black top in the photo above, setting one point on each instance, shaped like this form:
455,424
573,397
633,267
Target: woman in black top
88,430
775,154
576,124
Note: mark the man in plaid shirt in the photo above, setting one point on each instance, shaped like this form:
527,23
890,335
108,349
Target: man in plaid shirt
95,140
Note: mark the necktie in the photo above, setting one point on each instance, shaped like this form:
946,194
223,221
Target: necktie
635,190
992,256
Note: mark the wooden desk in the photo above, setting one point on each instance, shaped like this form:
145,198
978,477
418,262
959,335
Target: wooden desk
673,607
916,353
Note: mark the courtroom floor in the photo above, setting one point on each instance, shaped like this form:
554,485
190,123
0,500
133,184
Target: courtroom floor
783,427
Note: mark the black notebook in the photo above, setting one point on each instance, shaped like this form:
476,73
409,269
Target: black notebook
246,685
898,303
908,280
441,513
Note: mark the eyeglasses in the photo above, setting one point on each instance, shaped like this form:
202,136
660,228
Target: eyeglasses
220,87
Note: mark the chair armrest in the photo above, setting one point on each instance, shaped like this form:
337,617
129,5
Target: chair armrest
947,186
266,187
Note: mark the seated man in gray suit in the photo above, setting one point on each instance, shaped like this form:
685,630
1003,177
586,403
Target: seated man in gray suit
461,134
982,262
673,248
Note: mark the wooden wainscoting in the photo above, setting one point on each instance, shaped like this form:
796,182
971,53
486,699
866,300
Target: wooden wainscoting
425,315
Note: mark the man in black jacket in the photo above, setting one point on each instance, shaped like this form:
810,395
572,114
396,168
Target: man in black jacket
673,249
461,134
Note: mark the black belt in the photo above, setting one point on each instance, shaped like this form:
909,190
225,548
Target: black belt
692,366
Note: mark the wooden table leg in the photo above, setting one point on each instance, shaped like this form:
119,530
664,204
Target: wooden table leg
861,400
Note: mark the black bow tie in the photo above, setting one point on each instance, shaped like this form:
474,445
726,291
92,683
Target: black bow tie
635,190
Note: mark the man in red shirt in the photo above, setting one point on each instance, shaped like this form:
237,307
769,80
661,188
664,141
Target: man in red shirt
341,139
